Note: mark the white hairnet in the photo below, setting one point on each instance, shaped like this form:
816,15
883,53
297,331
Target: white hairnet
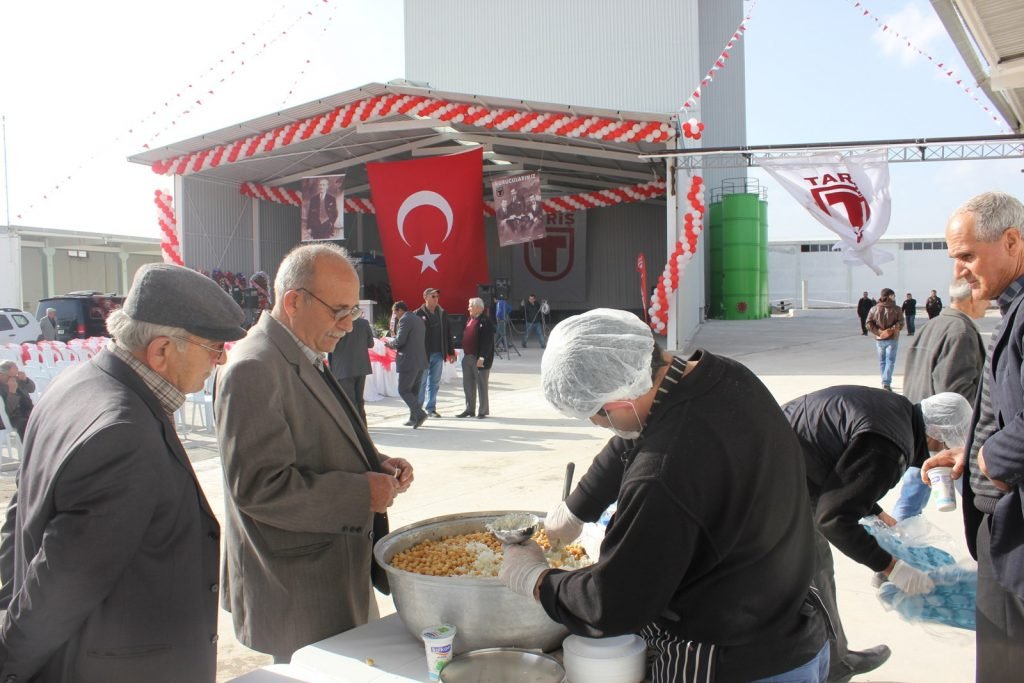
599,356
947,417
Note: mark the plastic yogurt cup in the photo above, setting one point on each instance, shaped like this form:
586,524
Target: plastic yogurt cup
942,484
438,643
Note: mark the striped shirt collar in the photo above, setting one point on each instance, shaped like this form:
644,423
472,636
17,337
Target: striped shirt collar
315,357
169,396
1009,294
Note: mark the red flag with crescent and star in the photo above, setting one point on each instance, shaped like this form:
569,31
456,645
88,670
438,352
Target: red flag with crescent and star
430,219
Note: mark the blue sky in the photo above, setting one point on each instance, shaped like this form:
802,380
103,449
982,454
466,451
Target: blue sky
816,71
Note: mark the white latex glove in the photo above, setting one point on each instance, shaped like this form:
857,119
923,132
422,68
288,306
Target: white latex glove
522,567
910,580
562,526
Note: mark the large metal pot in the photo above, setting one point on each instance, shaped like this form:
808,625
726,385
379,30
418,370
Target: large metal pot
485,612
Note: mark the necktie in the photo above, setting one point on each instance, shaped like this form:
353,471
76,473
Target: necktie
323,210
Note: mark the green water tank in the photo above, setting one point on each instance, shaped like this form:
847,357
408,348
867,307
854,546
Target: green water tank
741,257
766,305
714,228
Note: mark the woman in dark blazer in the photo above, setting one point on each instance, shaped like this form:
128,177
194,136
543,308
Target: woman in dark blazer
478,349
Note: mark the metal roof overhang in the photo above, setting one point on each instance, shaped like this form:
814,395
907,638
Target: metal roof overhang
995,30
567,164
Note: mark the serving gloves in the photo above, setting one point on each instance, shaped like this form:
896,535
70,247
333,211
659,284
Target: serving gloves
910,580
561,526
522,567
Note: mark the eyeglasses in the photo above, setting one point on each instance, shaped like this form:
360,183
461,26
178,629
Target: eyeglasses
339,313
612,405
217,353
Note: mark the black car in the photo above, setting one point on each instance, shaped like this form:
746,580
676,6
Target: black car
81,314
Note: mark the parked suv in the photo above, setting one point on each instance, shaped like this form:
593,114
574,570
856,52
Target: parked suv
18,327
81,314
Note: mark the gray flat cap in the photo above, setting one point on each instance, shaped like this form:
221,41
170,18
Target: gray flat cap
165,294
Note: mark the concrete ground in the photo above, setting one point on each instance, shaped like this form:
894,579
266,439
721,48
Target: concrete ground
516,459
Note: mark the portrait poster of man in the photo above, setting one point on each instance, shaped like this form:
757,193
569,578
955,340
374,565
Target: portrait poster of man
323,202
518,209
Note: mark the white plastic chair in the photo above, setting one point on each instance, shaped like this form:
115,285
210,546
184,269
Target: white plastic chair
203,402
10,444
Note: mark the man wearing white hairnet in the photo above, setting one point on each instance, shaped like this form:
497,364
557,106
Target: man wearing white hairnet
710,553
857,443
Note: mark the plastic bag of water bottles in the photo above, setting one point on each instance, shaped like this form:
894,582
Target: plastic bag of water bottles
915,541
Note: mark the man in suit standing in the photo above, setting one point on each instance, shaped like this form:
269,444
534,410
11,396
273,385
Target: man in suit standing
910,313
933,305
109,552
411,362
985,239
322,212
350,362
306,491
478,350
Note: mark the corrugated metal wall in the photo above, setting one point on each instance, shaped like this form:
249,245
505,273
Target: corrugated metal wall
216,226
279,232
636,56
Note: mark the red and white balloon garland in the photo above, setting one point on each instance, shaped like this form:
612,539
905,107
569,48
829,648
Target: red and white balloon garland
686,247
693,129
169,243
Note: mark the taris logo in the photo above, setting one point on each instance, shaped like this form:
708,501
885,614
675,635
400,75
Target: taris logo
551,257
831,192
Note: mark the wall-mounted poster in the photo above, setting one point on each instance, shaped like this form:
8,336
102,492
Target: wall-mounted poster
323,202
517,208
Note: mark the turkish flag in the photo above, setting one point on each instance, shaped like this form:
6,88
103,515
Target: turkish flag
430,215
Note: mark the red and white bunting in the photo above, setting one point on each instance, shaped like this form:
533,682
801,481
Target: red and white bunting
720,62
686,247
565,203
948,72
381,106
170,245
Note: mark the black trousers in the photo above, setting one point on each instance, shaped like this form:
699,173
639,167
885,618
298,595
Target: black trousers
409,390
353,388
1000,615
863,324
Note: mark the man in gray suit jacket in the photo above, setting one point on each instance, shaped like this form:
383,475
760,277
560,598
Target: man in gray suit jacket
109,552
410,342
305,489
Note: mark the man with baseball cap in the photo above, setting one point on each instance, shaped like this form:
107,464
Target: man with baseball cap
439,348
109,553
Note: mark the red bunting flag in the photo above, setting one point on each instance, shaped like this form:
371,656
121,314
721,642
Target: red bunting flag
430,218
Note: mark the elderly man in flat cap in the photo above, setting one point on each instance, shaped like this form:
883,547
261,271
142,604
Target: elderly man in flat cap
109,551
306,490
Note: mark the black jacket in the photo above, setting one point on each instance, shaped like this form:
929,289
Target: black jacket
712,539
845,485
864,306
447,343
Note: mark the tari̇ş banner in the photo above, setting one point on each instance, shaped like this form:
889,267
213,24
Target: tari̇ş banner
554,267
430,218
848,195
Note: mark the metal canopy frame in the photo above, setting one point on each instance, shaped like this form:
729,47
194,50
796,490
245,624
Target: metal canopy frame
897,151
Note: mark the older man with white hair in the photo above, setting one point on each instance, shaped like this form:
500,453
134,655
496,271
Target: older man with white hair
986,242
710,554
109,552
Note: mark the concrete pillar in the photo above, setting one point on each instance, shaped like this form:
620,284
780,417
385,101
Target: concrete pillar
51,287
124,281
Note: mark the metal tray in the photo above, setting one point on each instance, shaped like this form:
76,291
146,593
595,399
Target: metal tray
503,665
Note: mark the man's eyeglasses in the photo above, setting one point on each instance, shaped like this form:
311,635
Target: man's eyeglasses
217,353
339,313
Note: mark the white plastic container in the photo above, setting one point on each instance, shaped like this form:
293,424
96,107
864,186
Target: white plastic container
942,484
438,643
620,659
